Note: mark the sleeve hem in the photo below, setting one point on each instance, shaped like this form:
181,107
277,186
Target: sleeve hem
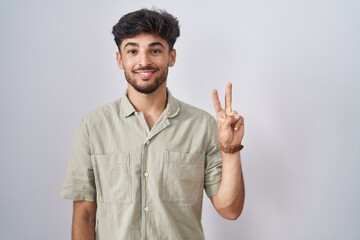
212,189
78,196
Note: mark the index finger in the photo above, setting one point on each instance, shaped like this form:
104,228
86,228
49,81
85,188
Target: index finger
228,98
216,101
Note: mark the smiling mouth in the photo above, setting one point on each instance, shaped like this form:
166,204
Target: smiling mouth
146,72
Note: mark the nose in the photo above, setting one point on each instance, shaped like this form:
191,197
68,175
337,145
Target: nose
144,59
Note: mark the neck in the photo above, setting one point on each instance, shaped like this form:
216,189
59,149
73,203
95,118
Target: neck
151,105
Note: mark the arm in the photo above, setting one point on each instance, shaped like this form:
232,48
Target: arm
229,200
84,218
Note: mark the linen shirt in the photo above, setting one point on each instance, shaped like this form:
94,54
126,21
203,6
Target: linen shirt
148,184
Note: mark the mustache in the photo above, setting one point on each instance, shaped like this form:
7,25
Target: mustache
149,67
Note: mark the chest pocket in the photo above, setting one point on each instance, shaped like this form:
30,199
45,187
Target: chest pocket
183,178
112,177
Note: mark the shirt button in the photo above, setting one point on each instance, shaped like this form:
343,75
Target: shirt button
146,209
147,143
146,174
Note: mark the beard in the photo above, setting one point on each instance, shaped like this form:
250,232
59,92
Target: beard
147,88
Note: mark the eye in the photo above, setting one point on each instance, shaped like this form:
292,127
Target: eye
155,51
132,51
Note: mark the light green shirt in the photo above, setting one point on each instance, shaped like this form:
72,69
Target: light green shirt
148,184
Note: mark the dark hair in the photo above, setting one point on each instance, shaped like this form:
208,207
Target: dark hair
157,22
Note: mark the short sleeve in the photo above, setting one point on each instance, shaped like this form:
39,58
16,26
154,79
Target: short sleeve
213,166
79,183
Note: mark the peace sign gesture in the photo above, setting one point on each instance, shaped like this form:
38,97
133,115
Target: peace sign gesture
230,124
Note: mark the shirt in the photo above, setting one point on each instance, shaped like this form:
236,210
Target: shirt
148,184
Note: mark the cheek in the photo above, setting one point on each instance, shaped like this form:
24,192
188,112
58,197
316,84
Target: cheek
167,62
125,65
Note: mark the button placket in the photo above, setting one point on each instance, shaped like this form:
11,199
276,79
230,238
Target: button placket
144,185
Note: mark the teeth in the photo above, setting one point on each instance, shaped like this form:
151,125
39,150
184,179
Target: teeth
145,74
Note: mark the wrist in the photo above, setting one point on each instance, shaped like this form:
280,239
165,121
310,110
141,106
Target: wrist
230,149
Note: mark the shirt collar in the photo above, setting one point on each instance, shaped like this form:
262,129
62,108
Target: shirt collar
173,107
126,108
171,110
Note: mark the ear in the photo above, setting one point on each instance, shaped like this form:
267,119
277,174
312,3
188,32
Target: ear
119,60
172,59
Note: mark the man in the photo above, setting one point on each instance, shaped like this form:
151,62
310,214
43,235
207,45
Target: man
138,166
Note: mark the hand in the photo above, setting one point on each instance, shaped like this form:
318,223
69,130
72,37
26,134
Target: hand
229,123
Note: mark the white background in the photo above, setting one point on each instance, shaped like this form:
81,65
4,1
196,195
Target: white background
295,68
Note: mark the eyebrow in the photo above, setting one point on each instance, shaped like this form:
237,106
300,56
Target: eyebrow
156,44
133,44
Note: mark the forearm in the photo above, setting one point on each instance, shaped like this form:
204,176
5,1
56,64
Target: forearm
83,225
83,230
229,200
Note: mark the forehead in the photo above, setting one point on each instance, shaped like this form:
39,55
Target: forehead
144,40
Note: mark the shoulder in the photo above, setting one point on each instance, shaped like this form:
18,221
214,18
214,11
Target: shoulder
192,119
190,109
105,113
187,110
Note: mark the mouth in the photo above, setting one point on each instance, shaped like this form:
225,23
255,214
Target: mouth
145,74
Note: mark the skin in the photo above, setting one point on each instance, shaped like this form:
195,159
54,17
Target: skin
145,60
229,200
141,51
84,218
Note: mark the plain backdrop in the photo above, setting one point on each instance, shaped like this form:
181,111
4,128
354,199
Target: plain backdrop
294,65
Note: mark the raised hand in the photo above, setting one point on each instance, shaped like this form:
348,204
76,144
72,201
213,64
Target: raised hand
229,123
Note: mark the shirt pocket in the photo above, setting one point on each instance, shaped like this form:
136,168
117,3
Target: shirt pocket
112,177
183,178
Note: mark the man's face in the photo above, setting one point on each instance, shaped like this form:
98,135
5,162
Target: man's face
145,59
